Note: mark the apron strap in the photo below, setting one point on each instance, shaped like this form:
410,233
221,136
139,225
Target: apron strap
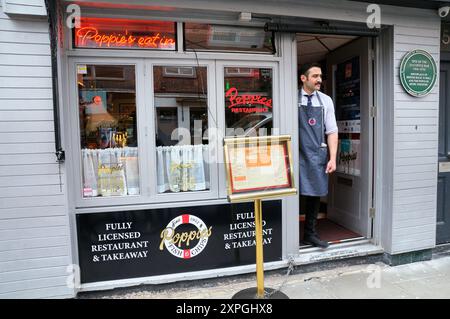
323,117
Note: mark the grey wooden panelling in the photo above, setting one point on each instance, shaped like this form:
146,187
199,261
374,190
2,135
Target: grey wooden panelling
30,244
25,7
28,126
34,169
34,190
26,148
25,71
41,210
31,274
34,225
51,292
415,148
409,137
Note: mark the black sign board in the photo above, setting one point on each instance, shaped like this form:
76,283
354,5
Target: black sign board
141,243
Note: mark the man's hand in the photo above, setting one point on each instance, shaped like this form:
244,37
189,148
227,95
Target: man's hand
331,167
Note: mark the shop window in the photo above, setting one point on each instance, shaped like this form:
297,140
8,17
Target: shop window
248,101
181,122
203,37
108,137
108,33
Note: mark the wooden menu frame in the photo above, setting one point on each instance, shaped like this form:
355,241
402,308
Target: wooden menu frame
259,167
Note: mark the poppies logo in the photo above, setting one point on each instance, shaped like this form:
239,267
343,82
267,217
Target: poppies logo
177,243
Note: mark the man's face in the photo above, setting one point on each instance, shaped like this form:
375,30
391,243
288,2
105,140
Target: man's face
314,79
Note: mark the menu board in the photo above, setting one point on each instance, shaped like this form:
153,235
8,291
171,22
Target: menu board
257,166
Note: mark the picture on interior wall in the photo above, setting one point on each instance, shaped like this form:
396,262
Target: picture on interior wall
96,102
348,90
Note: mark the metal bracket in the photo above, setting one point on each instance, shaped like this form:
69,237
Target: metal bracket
373,111
372,212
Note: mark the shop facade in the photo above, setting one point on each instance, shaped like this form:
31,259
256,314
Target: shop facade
145,95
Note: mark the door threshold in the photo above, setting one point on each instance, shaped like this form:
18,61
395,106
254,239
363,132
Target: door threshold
333,242
348,249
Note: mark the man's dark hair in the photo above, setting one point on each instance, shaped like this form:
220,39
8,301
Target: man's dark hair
304,69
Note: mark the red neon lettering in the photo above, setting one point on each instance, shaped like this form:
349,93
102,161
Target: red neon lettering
87,34
233,95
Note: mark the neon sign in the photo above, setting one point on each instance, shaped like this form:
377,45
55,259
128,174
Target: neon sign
237,101
128,34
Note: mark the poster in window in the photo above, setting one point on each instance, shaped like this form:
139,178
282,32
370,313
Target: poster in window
95,102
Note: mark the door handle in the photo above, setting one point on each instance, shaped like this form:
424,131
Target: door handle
448,155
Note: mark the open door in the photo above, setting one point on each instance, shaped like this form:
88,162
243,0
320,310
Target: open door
350,194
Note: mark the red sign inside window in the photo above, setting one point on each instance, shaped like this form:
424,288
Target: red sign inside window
125,34
247,103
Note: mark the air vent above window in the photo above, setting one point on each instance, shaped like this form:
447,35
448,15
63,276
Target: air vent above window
179,71
236,36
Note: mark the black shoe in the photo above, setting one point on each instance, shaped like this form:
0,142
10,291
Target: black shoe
315,241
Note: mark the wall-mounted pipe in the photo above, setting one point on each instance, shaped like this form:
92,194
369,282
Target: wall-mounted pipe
53,33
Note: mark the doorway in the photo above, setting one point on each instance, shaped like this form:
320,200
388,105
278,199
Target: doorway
347,68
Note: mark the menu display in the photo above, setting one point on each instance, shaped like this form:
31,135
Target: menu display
258,167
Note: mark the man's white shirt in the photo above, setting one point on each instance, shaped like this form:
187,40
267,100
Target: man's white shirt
329,116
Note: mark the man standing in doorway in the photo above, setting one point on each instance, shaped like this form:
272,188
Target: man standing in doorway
316,120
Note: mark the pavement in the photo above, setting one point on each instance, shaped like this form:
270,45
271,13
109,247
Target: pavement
426,279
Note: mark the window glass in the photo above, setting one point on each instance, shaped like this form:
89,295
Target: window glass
108,136
227,38
181,122
248,101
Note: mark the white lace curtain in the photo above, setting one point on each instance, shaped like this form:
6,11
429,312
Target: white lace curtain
110,172
182,168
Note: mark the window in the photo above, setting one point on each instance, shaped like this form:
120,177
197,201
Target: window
248,101
202,37
108,130
181,123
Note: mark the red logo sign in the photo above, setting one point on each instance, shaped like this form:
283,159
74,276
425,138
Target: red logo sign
247,100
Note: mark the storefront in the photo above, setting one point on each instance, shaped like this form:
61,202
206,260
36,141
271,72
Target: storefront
146,95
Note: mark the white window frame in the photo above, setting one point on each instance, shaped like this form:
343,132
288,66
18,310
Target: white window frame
220,78
212,193
147,129
74,135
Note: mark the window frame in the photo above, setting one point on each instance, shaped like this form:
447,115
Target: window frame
220,78
212,193
235,50
146,127
74,136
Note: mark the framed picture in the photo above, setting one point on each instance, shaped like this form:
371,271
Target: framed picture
259,167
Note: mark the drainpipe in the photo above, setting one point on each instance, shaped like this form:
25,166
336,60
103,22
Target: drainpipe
52,15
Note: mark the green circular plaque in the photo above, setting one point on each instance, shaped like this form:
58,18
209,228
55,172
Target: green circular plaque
418,73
